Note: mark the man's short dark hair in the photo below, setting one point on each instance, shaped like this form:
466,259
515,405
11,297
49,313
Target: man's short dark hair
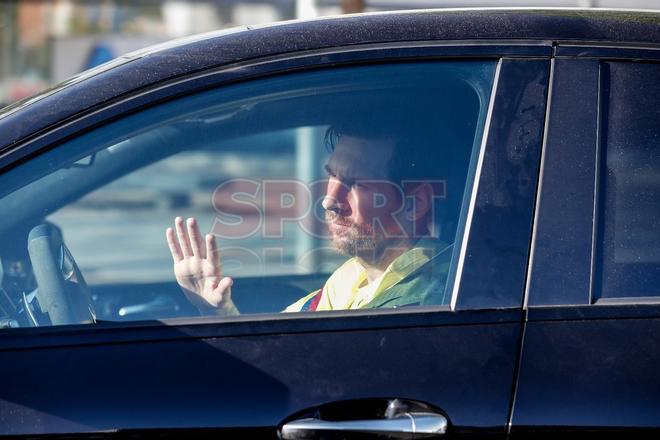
415,155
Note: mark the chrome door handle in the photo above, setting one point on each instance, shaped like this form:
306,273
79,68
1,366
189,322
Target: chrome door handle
405,423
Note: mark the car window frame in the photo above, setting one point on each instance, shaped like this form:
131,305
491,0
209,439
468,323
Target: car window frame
262,68
573,296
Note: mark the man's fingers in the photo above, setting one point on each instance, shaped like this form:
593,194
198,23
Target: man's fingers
198,248
173,243
184,240
212,251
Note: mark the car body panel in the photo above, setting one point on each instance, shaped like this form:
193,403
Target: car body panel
596,374
256,380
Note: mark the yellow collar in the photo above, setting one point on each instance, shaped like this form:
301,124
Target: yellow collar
347,287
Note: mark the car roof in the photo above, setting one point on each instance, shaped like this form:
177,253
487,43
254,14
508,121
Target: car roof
179,58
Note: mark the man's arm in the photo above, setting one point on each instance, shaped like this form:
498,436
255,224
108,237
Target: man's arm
198,270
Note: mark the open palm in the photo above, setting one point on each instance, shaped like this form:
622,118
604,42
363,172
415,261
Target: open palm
197,267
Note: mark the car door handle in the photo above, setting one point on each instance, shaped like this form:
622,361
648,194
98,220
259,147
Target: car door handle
420,423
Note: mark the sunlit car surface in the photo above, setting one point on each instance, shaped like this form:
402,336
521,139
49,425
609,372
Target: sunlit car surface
537,313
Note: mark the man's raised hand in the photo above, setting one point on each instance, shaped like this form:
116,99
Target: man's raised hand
197,268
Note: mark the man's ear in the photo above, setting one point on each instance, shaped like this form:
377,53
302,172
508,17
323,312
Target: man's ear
419,202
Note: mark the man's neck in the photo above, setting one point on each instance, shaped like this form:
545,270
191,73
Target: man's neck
376,267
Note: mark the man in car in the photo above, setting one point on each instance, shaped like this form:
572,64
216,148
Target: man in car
379,207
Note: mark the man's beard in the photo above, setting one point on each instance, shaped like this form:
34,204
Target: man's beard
354,240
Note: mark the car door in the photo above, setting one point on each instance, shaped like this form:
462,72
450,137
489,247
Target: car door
589,357
264,372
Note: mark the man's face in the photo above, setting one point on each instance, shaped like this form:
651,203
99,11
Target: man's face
362,204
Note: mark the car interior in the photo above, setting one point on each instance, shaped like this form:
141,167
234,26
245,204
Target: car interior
42,283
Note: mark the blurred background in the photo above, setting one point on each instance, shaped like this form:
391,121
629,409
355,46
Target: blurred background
43,42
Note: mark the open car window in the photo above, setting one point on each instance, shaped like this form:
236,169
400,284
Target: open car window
254,163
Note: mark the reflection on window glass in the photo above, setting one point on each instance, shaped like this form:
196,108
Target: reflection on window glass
326,190
629,215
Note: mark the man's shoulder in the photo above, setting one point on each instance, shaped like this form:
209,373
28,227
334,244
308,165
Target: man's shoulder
424,286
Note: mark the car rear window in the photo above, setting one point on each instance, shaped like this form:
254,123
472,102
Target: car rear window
628,225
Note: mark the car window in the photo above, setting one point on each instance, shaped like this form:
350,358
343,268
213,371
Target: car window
315,191
628,252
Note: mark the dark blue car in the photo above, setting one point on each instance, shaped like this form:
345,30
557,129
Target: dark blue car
516,151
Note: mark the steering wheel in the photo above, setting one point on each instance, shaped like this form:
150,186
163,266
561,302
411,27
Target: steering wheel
62,292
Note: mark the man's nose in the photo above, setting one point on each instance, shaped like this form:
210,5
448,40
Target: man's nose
331,204
335,197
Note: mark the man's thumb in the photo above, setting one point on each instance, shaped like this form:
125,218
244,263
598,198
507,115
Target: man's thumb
224,286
